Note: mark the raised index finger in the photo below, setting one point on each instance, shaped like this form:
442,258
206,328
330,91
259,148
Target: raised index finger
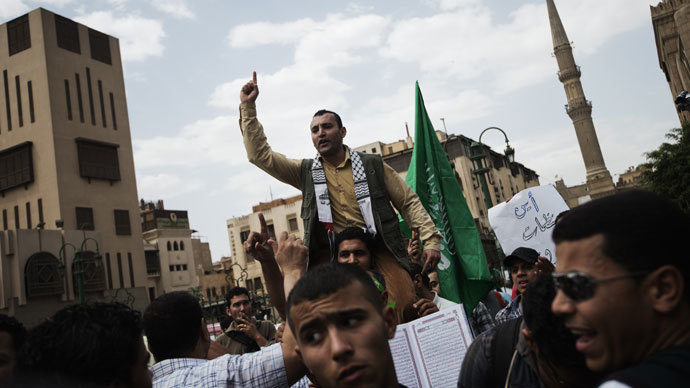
262,223
254,77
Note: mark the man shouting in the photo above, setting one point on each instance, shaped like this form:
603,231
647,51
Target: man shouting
342,188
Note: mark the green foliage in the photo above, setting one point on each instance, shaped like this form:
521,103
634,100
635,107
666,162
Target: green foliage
668,166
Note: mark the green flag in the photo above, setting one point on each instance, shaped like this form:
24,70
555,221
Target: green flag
462,272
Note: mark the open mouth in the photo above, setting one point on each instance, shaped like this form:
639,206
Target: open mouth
323,142
523,283
351,374
584,338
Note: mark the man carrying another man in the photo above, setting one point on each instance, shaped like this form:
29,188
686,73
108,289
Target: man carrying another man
343,188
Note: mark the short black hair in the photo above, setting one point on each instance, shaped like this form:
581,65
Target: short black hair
322,112
328,279
172,325
233,292
555,342
354,233
416,269
642,231
15,329
92,344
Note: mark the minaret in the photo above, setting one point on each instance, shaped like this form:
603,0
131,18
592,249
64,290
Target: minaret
579,109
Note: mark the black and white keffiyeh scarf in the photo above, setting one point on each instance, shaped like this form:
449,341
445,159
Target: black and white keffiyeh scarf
323,201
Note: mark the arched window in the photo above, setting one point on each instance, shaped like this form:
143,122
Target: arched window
182,245
42,275
93,274
169,246
175,248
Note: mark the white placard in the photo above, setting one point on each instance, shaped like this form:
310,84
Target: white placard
527,220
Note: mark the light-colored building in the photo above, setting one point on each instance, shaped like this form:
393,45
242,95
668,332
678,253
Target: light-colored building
579,109
281,215
505,179
170,261
671,23
631,178
66,164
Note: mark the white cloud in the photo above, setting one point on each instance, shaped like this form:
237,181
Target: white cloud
204,142
261,33
12,8
166,186
467,43
354,7
140,38
176,8
55,3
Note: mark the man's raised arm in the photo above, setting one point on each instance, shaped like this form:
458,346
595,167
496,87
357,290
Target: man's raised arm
259,152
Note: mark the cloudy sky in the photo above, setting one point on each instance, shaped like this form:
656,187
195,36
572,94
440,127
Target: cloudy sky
480,63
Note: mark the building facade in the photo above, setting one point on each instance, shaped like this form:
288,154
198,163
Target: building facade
170,261
671,23
66,163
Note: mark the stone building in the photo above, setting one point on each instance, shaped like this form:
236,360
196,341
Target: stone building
599,181
170,260
671,23
66,169
281,215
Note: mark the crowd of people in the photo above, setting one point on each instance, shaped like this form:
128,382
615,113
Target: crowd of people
614,312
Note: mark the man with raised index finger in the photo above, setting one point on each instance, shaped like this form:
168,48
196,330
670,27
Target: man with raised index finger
342,188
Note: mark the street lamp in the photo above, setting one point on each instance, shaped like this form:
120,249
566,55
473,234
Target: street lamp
79,263
478,155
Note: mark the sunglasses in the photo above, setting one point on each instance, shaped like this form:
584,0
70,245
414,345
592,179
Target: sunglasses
579,286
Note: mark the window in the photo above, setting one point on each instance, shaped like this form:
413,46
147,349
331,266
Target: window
107,268
16,166
208,293
175,247
98,160
7,100
213,291
4,219
250,285
93,275
32,113
85,218
258,285
18,34
42,275
68,100
100,96
89,89
184,267
131,269
244,235
272,231
119,270
67,34
182,245
28,215
169,246
178,267
112,111
122,227
16,217
79,99
171,268
40,211
100,46
292,224
18,88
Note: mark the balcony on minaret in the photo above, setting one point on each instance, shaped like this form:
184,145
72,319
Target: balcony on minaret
569,73
569,108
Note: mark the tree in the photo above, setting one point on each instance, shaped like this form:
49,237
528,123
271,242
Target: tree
668,166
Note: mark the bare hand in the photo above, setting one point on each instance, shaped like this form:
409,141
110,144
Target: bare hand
250,90
292,254
544,266
245,325
425,307
413,251
279,332
431,259
260,245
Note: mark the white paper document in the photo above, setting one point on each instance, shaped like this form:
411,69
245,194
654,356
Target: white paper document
428,351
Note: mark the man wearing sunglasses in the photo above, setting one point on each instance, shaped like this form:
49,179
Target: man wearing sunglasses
624,289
